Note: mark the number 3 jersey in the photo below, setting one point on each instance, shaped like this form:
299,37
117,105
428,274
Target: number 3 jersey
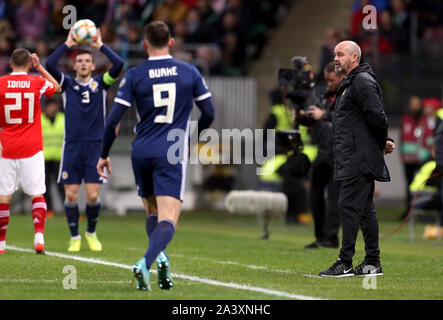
85,108
20,114
164,90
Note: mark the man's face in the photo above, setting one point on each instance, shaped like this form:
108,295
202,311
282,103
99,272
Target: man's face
84,65
332,80
415,105
51,109
343,59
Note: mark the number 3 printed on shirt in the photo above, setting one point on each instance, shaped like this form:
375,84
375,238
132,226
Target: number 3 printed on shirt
169,101
18,106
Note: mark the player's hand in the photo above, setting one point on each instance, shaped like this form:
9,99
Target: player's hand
101,165
35,61
389,147
70,42
315,112
97,40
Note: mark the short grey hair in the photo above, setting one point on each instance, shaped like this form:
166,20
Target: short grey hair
353,48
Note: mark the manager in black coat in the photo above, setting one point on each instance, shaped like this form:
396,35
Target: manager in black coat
360,130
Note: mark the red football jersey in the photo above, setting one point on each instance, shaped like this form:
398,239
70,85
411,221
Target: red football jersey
20,114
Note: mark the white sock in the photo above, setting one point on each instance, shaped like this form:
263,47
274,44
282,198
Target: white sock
38,238
76,237
90,234
3,245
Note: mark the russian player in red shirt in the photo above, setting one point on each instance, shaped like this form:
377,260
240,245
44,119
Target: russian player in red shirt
21,153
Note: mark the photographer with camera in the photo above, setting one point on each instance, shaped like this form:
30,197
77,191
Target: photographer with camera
298,86
285,172
326,220
313,107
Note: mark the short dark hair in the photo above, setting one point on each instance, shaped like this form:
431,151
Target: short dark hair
157,33
51,101
330,67
21,57
84,51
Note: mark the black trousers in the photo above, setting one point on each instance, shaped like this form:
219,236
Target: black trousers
326,221
410,171
51,175
357,210
297,198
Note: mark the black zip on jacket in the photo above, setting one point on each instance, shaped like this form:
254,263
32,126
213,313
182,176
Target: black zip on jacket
360,127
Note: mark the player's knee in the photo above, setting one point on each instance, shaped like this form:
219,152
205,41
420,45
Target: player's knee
93,197
71,196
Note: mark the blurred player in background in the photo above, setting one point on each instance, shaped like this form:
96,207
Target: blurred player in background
53,128
84,99
21,152
164,90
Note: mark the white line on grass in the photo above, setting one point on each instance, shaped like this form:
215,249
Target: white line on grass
60,281
176,275
249,266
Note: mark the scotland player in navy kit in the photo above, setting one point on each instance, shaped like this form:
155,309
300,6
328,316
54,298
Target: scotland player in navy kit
84,101
164,90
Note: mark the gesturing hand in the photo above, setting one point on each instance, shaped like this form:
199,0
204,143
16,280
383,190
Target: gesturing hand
101,165
35,61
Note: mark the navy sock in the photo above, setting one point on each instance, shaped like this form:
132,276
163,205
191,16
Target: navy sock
92,211
158,241
72,216
151,223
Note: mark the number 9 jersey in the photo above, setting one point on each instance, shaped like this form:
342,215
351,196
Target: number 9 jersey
164,90
20,114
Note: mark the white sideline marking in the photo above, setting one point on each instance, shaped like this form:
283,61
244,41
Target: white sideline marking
60,281
177,275
249,266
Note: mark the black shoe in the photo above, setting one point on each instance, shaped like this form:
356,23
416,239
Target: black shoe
369,269
328,244
338,270
313,245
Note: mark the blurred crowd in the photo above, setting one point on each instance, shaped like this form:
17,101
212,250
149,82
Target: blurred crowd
219,36
395,19
419,125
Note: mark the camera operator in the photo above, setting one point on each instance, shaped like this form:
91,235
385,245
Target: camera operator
326,220
301,95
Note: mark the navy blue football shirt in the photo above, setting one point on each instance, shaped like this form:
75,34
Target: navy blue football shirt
164,90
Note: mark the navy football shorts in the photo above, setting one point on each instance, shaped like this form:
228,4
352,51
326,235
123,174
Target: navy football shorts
79,162
156,176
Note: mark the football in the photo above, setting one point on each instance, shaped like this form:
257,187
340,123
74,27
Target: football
84,31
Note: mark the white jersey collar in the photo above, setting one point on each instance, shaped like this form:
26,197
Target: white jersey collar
85,83
166,56
18,73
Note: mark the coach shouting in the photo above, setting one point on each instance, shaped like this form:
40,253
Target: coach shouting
360,129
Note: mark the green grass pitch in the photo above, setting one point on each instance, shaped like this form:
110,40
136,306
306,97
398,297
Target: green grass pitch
214,246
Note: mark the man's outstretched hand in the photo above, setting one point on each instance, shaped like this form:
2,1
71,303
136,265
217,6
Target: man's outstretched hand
102,165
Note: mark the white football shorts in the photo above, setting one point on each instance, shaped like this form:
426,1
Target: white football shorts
29,172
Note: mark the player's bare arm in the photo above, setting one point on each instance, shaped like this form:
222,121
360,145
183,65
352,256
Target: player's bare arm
37,66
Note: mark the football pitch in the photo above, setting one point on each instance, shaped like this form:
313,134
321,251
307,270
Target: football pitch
214,256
